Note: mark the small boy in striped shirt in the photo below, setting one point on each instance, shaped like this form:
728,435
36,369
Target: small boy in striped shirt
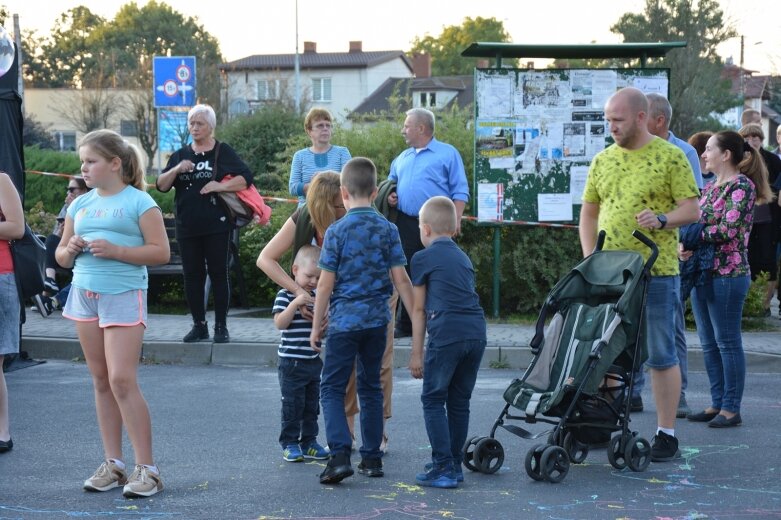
299,365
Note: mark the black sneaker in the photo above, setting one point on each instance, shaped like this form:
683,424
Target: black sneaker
44,305
221,333
50,286
337,469
371,467
664,448
637,404
197,333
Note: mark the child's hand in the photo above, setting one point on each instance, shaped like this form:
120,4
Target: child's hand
304,300
315,338
103,249
416,365
76,245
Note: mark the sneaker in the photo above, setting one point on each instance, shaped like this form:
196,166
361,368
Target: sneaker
292,453
221,333
664,448
315,452
50,286
197,333
107,476
337,469
44,305
143,482
637,404
458,470
683,408
438,476
371,468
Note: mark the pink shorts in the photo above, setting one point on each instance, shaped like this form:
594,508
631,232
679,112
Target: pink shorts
125,309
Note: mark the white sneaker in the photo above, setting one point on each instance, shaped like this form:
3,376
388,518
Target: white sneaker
143,482
107,476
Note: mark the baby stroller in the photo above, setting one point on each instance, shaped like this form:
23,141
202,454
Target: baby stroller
580,379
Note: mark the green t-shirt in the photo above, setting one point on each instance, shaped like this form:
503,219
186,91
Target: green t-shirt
625,182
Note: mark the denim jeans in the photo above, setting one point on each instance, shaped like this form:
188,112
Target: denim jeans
342,348
299,383
718,307
449,375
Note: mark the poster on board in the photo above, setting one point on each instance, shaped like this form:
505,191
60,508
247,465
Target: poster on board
536,132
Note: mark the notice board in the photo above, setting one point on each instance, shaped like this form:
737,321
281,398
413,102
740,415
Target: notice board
536,132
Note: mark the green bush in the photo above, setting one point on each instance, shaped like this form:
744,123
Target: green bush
754,306
48,190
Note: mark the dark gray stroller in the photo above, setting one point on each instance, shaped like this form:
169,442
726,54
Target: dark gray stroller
580,379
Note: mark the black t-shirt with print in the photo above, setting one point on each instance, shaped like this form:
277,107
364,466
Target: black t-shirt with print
198,214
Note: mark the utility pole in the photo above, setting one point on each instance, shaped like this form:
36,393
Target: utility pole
297,69
20,58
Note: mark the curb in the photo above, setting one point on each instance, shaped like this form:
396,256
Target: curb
265,354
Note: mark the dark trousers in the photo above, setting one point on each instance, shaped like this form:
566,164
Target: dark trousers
52,241
199,255
409,233
368,346
449,375
299,383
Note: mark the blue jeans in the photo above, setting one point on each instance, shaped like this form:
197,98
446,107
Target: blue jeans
718,307
368,345
62,296
299,383
664,329
449,375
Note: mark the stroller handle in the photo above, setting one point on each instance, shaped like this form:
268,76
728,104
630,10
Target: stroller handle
648,243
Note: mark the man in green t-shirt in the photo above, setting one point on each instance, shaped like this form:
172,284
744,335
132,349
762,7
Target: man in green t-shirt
643,182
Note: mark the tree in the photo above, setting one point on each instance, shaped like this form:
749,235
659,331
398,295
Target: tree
36,134
697,89
93,109
445,49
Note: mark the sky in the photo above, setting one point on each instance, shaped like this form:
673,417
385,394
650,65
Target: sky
269,27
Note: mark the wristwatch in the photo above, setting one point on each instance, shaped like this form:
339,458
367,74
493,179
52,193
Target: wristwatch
662,220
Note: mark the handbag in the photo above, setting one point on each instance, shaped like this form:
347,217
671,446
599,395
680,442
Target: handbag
239,213
29,256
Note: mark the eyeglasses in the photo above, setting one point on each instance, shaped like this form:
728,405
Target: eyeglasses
71,189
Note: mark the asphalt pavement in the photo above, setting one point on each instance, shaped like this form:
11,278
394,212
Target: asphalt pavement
215,437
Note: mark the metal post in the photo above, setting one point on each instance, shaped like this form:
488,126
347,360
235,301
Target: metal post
297,68
159,152
497,269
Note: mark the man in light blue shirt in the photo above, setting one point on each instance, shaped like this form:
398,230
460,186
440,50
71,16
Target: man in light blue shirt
426,169
660,114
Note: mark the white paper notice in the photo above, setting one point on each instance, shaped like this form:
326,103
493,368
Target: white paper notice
651,85
577,183
554,207
495,96
490,202
603,85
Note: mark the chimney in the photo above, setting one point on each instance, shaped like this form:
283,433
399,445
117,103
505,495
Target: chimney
310,47
421,65
356,46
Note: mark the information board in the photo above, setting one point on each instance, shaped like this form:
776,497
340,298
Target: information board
536,132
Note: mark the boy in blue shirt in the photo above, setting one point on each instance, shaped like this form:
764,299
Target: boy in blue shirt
299,366
445,303
361,260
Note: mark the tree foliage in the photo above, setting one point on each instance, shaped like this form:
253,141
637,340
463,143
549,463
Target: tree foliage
34,133
445,49
696,87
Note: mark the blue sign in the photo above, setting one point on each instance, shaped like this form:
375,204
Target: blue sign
174,81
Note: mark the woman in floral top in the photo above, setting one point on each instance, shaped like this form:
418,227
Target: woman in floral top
726,215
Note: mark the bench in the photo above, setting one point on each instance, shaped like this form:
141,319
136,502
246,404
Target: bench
174,265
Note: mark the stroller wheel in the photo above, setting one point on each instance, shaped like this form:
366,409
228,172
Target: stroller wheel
554,464
576,450
637,453
615,453
468,453
489,455
533,462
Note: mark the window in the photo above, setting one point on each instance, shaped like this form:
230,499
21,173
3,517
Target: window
428,99
128,128
268,89
321,89
66,141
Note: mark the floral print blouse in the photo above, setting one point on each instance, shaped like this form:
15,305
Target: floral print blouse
726,211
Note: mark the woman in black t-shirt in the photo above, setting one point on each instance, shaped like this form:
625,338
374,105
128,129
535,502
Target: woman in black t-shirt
203,227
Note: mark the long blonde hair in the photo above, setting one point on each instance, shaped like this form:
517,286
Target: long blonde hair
320,197
109,144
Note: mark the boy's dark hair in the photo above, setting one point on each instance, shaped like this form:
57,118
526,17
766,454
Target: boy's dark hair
359,177
307,253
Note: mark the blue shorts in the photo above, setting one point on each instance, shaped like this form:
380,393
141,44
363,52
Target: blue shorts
125,309
663,316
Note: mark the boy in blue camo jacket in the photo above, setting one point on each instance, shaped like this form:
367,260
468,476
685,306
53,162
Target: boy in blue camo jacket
361,260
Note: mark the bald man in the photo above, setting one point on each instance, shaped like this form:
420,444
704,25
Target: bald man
643,182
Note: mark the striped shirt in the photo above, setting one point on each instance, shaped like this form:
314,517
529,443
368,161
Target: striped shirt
295,338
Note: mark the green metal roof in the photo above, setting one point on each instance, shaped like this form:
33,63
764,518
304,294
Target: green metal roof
572,51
